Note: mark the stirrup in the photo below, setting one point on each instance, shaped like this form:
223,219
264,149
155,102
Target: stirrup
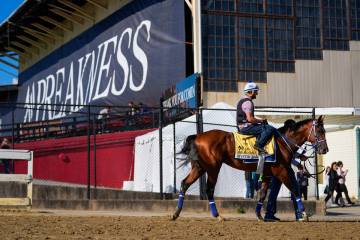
261,151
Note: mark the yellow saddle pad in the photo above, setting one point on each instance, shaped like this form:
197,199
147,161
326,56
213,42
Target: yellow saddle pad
244,146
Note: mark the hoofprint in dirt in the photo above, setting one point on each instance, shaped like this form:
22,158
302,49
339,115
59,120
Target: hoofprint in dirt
50,225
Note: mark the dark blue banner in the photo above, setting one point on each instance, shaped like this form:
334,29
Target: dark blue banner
180,97
133,55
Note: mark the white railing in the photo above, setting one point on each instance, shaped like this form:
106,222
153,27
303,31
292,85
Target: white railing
10,154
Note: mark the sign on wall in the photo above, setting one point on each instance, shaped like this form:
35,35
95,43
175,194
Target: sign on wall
179,100
133,55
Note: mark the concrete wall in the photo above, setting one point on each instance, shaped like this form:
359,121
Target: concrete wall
331,82
65,160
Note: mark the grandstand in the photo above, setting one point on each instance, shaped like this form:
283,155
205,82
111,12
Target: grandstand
81,62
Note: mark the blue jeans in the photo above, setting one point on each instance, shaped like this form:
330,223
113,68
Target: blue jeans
249,189
256,184
274,192
263,132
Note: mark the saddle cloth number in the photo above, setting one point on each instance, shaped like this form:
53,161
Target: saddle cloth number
244,146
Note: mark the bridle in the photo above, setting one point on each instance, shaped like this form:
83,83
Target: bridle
313,131
304,150
315,145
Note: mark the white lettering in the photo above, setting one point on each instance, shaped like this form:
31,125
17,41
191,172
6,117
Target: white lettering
104,67
60,76
141,56
123,63
41,94
50,81
95,77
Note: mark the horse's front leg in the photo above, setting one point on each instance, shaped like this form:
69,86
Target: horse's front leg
262,192
287,176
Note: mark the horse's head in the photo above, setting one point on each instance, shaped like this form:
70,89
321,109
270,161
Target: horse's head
317,135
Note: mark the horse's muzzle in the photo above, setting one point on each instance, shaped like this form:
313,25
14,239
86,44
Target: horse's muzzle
323,150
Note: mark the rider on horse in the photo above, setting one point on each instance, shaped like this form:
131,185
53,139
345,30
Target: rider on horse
247,123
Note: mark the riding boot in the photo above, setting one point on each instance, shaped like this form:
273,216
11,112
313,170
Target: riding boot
260,166
261,150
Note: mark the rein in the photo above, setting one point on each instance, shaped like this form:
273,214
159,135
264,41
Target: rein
296,154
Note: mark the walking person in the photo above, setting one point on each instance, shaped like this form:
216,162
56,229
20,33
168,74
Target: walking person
341,188
327,177
302,177
5,144
333,181
249,185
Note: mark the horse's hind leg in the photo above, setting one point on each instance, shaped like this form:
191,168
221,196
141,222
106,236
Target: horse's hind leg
261,197
194,174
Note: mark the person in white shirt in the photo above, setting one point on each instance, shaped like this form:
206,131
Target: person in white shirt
341,184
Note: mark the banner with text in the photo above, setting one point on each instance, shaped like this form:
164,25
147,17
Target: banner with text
133,55
179,100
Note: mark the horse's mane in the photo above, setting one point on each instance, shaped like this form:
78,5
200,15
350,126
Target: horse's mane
299,124
293,126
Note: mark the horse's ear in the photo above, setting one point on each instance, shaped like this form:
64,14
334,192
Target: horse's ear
321,119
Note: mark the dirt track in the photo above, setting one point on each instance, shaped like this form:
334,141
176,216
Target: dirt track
45,226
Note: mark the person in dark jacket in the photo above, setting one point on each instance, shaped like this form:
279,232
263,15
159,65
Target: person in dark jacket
333,181
341,185
249,185
5,144
302,177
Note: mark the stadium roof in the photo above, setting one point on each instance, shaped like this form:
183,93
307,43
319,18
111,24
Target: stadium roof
37,24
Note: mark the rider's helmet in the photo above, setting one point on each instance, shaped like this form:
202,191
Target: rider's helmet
250,87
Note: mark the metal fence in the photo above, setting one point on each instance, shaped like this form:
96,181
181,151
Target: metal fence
156,166
231,182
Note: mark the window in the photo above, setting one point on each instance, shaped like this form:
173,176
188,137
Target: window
224,5
308,30
250,6
219,58
251,49
355,19
245,39
280,7
335,25
280,44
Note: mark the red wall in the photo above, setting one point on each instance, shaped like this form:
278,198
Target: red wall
65,159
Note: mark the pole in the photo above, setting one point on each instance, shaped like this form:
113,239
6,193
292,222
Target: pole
199,129
13,127
94,153
88,154
358,157
174,146
197,37
13,137
160,149
316,163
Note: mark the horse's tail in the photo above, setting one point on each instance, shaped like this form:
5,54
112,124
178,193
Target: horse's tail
189,149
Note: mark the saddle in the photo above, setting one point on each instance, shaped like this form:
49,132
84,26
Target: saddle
244,148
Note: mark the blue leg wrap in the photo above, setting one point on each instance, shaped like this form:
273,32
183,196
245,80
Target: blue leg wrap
180,201
213,209
258,207
300,205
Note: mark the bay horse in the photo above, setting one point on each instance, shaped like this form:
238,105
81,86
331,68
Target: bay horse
209,150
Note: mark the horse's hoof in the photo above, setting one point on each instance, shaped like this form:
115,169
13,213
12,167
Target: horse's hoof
220,219
304,217
173,217
259,217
